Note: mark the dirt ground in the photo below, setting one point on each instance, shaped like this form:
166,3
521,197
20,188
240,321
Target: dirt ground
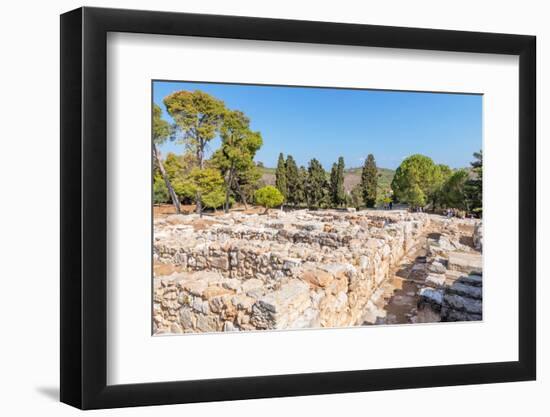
166,209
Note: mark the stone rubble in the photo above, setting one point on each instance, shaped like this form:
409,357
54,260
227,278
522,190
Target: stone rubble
299,269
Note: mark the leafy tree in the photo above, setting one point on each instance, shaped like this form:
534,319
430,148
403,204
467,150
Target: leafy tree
178,168
280,176
235,158
208,184
269,197
160,192
474,186
369,181
337,191
161,132
441,176
316,187
415,180
198,116
295,188
454,190
246,184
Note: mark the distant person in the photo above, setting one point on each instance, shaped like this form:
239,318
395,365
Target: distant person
391,205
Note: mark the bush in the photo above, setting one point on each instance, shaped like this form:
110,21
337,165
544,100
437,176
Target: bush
213,199
268,197
160,192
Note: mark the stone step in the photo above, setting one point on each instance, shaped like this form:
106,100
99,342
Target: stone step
470,263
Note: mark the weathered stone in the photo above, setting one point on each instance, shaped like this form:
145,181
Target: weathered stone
435,280
317,277
465,290
215,291
303,269
457,302
431,296
437,268
470,263
207,323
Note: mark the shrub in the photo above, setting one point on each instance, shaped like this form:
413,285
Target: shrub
268,197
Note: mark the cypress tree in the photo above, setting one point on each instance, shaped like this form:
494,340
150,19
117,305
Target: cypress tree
340,191
293,181
302,194
369,181
280,176
334,185
316,184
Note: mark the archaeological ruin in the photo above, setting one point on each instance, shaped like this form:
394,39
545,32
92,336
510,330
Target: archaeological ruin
313,269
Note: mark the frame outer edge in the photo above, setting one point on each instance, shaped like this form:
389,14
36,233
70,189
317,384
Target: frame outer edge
84,205
70,208
528,208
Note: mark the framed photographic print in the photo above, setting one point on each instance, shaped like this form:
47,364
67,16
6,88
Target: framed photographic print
257,208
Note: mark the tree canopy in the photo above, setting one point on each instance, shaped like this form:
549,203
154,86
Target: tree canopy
280,175
415,180
269,197
369,181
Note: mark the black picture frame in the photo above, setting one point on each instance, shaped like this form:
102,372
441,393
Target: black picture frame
84,207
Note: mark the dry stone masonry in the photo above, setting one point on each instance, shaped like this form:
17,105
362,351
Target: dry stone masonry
304,269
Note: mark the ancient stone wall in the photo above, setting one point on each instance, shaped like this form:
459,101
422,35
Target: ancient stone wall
286,270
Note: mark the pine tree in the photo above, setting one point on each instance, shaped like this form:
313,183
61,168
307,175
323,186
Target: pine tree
280,176
198,117
293,182
369,181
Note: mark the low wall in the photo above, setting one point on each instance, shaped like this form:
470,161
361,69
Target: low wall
297,270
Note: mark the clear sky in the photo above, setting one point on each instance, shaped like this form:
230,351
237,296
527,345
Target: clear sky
327,123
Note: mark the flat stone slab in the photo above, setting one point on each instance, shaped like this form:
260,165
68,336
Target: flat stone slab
470,263
466,290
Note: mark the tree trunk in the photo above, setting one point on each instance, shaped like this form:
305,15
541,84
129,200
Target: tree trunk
171,191
241,194
227,189
200,157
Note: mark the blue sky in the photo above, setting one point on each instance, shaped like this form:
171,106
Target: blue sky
327,123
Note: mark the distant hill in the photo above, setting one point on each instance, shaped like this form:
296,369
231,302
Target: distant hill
351,179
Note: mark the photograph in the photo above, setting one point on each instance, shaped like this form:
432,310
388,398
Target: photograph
287,207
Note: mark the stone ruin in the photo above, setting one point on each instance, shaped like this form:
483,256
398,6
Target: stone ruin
306,269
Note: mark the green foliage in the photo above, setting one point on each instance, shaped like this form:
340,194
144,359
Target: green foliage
357,197
235,158
337,192
453,192
161,128
204,182
369,181
280,176
474,186
294,183
178,168
441,176
415,180
214,199
198,116
160,191
269,197
316,186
